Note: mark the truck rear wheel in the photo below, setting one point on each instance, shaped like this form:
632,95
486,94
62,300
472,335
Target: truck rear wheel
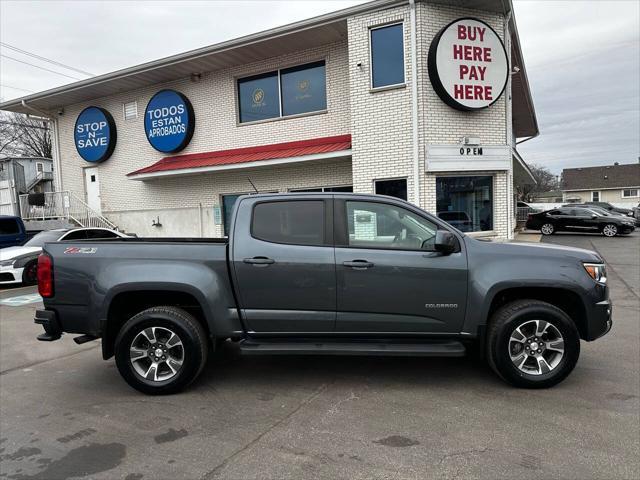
532,344
161,350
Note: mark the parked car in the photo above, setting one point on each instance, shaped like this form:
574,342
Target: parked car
522,204
612,208
325,274
601,211
12,231
460,220
579,220
19,264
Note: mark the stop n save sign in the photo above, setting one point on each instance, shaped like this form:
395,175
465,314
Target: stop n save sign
468,64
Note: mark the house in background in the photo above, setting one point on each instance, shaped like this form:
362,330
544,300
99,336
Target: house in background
554,196
616,184
23,175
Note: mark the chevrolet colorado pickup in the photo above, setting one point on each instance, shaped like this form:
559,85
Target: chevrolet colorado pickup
325,274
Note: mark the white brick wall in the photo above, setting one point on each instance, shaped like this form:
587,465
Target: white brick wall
380,124
213,99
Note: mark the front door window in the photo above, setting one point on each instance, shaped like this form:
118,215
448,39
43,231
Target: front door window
466,202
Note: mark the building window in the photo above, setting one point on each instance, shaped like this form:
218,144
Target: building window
304,89
291,222
595,196
39,167
466,202
130,110
630,193
387,56
345,188
228,202
286,92
378,225
258,97
393,188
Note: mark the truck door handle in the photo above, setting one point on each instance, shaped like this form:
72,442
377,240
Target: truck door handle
358,264
259,261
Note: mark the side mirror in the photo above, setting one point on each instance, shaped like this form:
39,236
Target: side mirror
593,215
446,242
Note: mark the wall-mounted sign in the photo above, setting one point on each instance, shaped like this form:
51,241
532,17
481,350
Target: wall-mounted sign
169,121
468,64
95,134
465,158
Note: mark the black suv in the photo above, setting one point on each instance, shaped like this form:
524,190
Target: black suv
577,219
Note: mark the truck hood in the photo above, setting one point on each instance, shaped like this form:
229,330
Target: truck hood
10,253
541,249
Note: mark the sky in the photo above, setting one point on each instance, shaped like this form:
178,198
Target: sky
582,57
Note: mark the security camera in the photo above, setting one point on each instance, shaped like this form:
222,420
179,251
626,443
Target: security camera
61,111
515,70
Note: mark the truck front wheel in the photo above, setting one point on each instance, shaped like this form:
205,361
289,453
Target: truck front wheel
161,350
532,344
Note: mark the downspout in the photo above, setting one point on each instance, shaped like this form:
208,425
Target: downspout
511,211
55,138
414,103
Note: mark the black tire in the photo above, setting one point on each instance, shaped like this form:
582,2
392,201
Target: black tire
507,319
194,348
30,273
610,227
548,228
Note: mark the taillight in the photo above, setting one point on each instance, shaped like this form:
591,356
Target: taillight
45,275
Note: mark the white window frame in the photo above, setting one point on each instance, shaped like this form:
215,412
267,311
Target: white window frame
39,167
637,189
599,196
278,71
124,110
373,89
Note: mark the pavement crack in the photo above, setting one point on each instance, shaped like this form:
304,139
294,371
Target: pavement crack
462,453
218,468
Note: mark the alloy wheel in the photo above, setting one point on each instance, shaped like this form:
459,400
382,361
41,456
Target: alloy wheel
610,230
547,229
536,347
156,354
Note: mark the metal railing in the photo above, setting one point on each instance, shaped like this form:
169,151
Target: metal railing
40,177
58,205
522,213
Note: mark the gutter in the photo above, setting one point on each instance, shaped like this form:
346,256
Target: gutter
55,137
414,103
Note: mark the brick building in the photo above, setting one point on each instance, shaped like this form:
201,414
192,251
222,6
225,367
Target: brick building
345,101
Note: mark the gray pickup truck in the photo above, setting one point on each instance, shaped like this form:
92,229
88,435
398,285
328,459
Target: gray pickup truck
325,274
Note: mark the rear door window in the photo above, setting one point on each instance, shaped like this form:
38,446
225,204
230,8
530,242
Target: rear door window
291,222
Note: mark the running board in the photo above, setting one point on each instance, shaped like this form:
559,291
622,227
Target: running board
432,349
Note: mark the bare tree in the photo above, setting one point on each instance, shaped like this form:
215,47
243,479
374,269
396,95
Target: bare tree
8,135
24,136
545,182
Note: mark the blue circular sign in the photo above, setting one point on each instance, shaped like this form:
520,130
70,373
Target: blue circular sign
169,121
95,134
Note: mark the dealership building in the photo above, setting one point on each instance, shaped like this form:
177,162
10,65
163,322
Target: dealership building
424,100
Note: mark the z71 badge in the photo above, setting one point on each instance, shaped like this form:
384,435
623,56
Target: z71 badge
84,250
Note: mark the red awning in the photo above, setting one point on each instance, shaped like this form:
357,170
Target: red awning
278,151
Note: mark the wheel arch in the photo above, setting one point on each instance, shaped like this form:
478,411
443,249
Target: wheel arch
123,304
563,298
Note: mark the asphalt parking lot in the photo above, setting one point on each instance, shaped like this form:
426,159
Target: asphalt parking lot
65,413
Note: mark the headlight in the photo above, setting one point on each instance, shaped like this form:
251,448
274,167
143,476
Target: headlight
596,271
7,263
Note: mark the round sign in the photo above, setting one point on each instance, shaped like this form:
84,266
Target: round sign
169,121
95,134
468,64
